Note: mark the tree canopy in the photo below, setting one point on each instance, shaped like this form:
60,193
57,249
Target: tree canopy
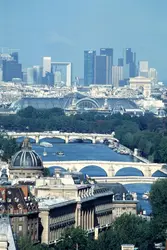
158,199
147,133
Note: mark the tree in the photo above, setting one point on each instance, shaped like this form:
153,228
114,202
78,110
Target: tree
25,243
158,199
46,172
74,238
127,229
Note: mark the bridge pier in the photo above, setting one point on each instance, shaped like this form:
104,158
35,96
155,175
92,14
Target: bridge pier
94,140
37,139
110,172
147,172
67,139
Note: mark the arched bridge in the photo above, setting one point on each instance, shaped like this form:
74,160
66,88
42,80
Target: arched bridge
110,167
64,136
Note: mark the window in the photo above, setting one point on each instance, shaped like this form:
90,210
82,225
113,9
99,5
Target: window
20,228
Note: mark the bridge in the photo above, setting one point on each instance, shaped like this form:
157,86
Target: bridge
110,168
37,136
127,179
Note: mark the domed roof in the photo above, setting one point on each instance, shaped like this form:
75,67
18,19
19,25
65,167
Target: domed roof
26,157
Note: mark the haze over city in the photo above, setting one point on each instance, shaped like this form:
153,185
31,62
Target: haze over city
64,29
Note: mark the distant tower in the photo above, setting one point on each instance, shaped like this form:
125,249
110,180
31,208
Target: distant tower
143,68
117,75
30,76
108,52
46,65
89,67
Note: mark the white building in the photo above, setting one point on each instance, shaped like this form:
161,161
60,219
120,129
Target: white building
117,75
46,65
153,75
143,68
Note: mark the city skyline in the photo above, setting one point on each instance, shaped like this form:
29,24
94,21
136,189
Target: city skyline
136,25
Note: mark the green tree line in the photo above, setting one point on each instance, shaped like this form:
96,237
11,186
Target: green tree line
147,133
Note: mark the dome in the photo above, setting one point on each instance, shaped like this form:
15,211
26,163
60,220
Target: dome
26,157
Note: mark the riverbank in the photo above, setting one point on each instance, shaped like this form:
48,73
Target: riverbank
123,150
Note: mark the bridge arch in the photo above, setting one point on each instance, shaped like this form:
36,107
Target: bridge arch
87,103
51,139
21,139
93,171
52,169
129,171
159,173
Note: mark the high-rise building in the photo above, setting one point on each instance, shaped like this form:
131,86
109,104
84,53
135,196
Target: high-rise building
143,68
117,75
30,76
108,52
15,56
37,72
89,67
129,63
153,75
120,61
102,70
1,75
46,65
57,78
11,69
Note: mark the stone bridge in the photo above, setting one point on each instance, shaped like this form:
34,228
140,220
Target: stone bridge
64,136
110,167
127,179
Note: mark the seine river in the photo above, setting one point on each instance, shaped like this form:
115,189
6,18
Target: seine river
88,151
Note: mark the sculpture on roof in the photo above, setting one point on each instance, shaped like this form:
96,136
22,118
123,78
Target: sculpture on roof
26,144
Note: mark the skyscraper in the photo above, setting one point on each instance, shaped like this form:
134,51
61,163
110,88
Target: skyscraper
15,56
108,52
57,78
46,65
143,68
117,75
153,75
11,69
101,70
120,61
30,76
129,63
37,74
89,67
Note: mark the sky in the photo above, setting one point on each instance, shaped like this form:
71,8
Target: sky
63,29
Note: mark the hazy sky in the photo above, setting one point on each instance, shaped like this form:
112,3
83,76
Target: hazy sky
63,29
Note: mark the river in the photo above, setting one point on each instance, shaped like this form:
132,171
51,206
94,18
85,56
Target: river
101,152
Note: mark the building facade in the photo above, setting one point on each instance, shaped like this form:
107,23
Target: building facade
46,65
109,53
89,67
102,70
117,75
89,206
143,68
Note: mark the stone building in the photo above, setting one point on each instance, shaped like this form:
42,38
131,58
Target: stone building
21,208
91,207
26,163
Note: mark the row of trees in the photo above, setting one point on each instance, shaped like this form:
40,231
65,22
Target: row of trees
147,133
127,229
